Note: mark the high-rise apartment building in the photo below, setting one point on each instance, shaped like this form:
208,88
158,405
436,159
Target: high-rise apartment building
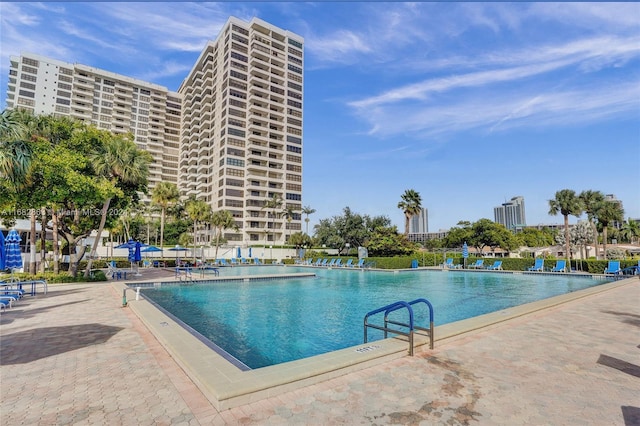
511,214
107,100
242,129
419,224
231,135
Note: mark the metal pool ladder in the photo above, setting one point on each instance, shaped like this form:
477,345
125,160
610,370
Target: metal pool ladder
410,325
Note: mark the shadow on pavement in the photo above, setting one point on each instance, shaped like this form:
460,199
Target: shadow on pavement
31,345
620,365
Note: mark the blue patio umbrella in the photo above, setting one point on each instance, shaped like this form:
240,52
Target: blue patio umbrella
177,249
250,256
239,253
2,252
465,253
150,249
13,258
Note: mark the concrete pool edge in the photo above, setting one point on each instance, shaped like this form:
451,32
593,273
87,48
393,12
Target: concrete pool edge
225,386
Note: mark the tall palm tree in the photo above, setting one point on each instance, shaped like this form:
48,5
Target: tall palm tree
164,195
288,214
566,202
221,220
198,211
590,200
118,161
307,210
411,205
608,212
274,203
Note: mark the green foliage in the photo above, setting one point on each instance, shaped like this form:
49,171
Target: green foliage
64,277
349,227
385,241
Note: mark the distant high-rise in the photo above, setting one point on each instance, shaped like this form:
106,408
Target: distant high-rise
511,214
107,100
419,224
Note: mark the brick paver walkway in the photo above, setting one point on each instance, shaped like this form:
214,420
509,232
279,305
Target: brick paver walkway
75,357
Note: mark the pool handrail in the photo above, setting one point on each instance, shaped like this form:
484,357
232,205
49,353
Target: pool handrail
388,309
431,327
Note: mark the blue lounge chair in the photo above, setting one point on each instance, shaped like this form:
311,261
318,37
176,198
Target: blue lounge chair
561,266
324,262
448,263
223,262
538,266
632,270
257,261
613,268
338,262
349,264
333,261
360,263
317,263
478,265
497,266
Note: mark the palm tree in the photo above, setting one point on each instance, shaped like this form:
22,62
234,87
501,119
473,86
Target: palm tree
288,214
566,203
198,211
15,152
307,210
411,205
164,195
630,231
590,200
221,220
608,212
274,203
119,161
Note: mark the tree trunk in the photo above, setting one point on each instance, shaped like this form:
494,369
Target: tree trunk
94,248
162,230
32,242
604,241
595,241
43,239
566,238
56,246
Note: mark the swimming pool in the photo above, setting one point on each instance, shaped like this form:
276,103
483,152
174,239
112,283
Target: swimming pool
269,322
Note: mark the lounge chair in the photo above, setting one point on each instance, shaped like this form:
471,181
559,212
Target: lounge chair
613,268
360,263
448,263
478,265
538,266
223,262
338,262
318,262
632,270
497,266
257,261
234,261
333,261
349,264
561,266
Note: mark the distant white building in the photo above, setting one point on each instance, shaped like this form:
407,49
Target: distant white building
419,224
511,214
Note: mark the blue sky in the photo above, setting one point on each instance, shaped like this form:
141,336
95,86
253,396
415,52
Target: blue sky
469,104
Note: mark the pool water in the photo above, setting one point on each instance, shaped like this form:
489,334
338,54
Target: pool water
269,322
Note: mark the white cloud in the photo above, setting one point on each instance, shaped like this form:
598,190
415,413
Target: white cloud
503,111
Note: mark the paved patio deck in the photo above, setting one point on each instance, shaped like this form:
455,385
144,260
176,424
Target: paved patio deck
75,356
